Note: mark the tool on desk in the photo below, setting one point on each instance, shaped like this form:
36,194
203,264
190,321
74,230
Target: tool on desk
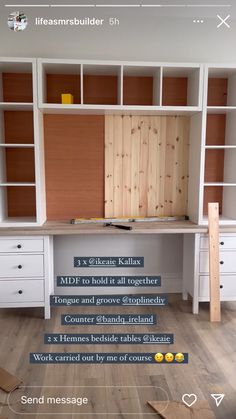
128,219
122,227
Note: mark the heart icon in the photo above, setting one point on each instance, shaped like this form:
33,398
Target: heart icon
189,399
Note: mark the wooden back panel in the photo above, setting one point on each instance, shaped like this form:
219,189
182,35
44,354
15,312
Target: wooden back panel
20,165
17,87
74,159
146,165
175,91
214,165
100,90
138,90
217,92
62,83
21,201
215,132
19,127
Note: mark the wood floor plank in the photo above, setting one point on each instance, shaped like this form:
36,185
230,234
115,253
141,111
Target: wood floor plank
211,356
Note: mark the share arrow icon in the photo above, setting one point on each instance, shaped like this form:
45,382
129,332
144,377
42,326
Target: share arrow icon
218,398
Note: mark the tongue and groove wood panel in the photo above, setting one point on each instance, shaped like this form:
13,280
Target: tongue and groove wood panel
74,166
146,165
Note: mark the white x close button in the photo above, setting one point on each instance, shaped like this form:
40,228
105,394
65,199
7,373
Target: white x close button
223,21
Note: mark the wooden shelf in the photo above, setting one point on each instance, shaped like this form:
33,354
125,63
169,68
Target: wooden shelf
216,184
16,184
15,145
19,222
118,109
16,106
220,147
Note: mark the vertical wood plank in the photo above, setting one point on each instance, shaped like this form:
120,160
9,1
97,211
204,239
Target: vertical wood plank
161,167
127,127
135,151
143,166
214,263
109,179
181,166
169,174
153,166
118,165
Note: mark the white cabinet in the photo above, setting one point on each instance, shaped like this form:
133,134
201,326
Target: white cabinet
21,291
26,272
196,268
20,266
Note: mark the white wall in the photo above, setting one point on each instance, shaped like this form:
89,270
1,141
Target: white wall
162,256
143,34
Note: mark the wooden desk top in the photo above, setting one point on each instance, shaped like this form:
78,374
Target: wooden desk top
65,228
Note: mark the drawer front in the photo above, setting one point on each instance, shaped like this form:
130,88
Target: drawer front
227,282
18,245
21,266
227,262
21,291
226,242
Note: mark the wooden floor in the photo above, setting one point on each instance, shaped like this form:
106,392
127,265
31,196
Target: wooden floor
211,369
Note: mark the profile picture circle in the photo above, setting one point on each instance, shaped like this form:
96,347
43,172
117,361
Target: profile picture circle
17,21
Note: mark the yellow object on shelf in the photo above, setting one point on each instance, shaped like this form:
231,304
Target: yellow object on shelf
67,99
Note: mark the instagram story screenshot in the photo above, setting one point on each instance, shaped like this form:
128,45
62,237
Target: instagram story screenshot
118,209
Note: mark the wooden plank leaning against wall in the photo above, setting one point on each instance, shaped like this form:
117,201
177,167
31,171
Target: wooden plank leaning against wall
146,165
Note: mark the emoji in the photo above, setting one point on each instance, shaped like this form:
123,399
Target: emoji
179,357
159,357
169,357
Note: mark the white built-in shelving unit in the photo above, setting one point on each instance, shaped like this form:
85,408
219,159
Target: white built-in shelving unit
21,148
30,88
120,87
218,163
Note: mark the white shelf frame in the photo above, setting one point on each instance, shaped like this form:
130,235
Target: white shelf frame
157,107
23,65
227,217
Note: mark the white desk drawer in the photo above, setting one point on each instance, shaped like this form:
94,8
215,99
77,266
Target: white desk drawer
227,284
21,291
18,245
227,262
226,242
20,266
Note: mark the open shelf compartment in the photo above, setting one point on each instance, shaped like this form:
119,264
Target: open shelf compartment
102,84
16,82
61,78
220,166
141,86
16,128
17,204
226,197
181,86
221,87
